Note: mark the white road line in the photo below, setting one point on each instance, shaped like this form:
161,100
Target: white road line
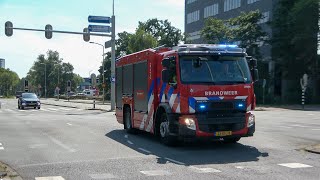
205,170
65,109
51,109
295,165
44,110
103,176
129,142
239,167
59,143
50,178
144,150
0,144
69,124
172,160
155,173
315,129
1,148
298,125
287,127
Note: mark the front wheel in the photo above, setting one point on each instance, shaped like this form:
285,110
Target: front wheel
164,131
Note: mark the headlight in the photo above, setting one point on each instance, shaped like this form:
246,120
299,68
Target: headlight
38,103
251,120
190,123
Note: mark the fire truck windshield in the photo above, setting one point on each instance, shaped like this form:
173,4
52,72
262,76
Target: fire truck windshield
214,69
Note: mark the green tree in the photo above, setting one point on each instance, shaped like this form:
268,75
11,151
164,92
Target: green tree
140,41
247,30
294,46
9,81
107,75
54,71
216,31
162,31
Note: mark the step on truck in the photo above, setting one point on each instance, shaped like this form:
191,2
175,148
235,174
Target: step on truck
187,92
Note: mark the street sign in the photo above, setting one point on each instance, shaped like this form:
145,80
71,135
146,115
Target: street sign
99,19
113,79
99,28
107,44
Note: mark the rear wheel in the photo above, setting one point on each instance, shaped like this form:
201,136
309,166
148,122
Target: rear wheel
39,107
231,140
127,121
164,131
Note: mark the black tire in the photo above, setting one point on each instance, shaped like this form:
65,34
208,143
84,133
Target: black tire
164,131
128,121
39,107
231,140
18,106
22,107
34,107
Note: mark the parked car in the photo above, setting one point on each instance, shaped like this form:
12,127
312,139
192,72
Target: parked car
28,100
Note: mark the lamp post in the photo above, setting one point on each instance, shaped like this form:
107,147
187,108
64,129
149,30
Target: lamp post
57,65
45,80
103,78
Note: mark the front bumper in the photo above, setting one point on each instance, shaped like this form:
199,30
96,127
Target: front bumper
238,129
30,104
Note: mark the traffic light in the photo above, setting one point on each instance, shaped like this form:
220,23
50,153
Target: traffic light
48,32
26,85
8,28
86,36
69,86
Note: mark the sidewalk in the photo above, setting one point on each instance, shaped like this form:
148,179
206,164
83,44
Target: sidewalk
80,104
7,173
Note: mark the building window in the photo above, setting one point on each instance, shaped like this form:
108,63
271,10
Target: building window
265,17
231,4
194,35
191,1
193,17
211,10
252,1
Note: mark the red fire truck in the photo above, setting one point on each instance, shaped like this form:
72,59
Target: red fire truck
190,91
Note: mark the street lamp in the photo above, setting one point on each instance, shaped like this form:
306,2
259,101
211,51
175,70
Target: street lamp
103,78
45,80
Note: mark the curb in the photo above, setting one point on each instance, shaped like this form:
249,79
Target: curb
75,107
313,149
11,174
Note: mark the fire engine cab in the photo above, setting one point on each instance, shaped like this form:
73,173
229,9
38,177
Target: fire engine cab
187,92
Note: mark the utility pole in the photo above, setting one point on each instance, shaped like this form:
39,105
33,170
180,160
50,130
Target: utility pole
113,59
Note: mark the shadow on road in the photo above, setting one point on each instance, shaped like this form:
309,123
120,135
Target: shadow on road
196,153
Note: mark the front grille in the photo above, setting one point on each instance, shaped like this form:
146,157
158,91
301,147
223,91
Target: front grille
221,105
221,122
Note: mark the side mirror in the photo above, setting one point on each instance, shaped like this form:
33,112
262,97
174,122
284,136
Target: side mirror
255,75
253,63
168,61
166,76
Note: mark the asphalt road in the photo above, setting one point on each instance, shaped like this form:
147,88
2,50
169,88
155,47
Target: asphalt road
66,143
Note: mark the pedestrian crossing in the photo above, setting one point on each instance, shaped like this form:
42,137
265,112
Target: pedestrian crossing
43,109
198,169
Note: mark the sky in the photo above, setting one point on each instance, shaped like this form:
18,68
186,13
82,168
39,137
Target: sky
21,50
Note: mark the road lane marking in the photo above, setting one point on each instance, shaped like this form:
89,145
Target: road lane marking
315,129
69,124
205,170
50,178
129,142
1,148
44,110
298,125
155,173
287,127
239,167
126,136
59,143
0,144
144,150
103,176
177,162
51,109
295,165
